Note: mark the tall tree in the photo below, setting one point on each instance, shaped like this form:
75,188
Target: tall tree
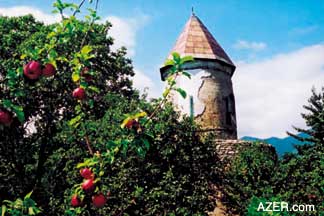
24,147
314,120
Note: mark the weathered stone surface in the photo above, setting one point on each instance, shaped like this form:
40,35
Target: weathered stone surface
210,98
227,149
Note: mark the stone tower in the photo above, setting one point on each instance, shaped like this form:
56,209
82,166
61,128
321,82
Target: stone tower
210,98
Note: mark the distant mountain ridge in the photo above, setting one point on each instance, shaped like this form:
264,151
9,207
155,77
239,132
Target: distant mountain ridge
282,145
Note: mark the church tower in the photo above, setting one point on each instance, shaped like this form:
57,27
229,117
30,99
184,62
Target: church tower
210,99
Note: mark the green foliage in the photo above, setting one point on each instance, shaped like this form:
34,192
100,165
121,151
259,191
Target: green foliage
300,178
23,147
314,120
20,207
172,178
175,70
296,178
250,174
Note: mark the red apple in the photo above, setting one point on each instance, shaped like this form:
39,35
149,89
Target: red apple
33,70
86,173
99,200
75,201
48,70
5,117
79,93
88,185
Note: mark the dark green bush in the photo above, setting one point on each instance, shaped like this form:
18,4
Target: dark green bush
173,177
250,174
297,178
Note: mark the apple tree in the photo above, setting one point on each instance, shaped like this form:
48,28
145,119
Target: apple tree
36,88
73,129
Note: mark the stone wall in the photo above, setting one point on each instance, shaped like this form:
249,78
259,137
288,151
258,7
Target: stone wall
227,149
210,99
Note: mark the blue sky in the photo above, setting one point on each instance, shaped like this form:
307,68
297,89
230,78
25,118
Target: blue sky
277,47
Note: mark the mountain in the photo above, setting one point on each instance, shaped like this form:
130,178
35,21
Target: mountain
282,145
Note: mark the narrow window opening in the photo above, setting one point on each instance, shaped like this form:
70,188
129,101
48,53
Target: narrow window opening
228,111
191,106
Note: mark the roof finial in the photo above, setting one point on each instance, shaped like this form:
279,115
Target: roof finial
192,11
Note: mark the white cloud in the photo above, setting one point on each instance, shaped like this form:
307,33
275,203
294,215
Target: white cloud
124,31
270,93
24,10
144,83
254,46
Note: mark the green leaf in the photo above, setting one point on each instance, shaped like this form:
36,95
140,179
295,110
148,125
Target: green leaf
140,151
28,195
19,93
186,74
95,89
75,120
20,115
3,210
84,85
168,62
52,54
23,56
82,165
186,59
182,92
37,210
19,112
75,77
7,103
91,103
18,203
146,143
140,115
31,211
166,92
77,109
86,49
176,57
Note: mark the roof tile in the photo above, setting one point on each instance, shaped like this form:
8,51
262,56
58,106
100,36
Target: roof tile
197,41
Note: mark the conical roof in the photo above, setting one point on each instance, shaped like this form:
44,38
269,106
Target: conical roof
196,41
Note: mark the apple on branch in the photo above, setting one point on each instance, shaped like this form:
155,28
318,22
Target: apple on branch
33,70
5,118
79,93
99,200
75,201
48,70
88,185
87,173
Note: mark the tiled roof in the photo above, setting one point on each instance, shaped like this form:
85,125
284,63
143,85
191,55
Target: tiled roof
197,41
